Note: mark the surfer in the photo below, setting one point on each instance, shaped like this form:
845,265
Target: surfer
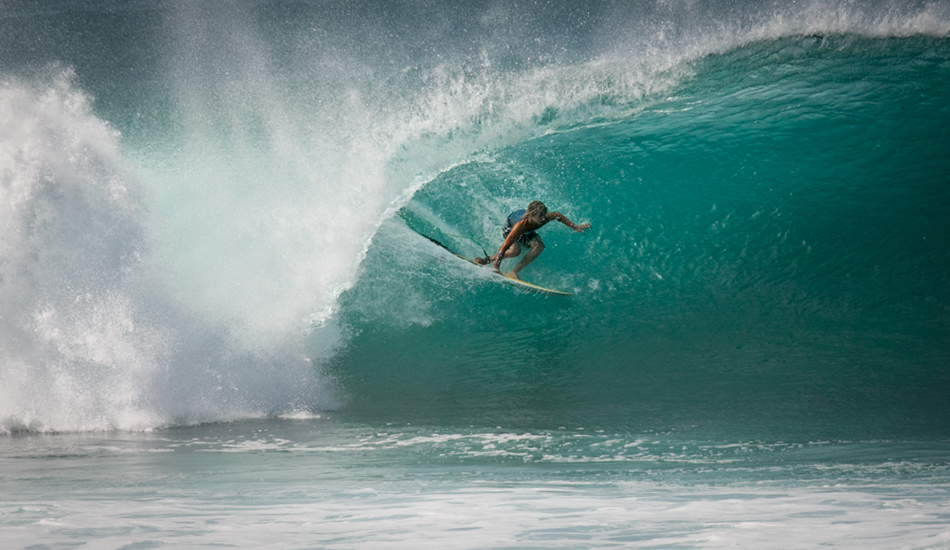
520,229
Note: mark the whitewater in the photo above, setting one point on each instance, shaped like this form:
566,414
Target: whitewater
219,324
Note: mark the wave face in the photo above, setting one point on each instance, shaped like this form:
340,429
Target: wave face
769,250
199,222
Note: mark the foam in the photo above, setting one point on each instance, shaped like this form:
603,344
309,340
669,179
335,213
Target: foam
92,339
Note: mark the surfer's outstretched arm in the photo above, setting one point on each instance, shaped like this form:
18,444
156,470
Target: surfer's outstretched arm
563,219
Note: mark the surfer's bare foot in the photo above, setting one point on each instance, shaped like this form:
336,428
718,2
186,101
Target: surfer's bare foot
513,275
482,261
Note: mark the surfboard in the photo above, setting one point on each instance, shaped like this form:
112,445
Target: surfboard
524,285
519,283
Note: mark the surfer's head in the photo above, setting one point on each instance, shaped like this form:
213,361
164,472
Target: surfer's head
536,210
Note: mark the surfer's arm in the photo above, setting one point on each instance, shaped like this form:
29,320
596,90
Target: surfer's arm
516,232
563,219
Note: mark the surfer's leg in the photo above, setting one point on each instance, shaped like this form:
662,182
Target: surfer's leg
513,252
537,246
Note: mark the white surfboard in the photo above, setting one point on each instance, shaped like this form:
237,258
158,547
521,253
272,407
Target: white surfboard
519,283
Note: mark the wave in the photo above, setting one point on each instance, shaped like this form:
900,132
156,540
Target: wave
200,227
767,254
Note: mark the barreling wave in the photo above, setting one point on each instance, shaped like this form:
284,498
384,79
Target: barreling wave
768,253
196,228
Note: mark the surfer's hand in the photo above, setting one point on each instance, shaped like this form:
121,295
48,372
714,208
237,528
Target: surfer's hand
581,227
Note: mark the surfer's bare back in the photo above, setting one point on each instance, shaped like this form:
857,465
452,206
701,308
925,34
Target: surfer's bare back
520,229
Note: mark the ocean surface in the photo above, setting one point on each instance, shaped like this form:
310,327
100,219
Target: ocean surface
220,327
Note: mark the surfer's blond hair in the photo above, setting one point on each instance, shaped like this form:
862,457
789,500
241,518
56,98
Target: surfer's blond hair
536,208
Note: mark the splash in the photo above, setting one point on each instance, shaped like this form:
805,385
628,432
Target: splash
93,337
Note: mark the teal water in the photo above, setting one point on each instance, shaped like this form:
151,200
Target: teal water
328,484
218,325
768,254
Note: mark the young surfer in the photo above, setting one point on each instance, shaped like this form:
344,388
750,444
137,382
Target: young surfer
520,229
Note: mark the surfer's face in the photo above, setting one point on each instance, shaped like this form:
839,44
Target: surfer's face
537,219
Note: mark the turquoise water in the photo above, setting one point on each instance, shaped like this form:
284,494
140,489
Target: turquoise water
768,254
328,484
218,326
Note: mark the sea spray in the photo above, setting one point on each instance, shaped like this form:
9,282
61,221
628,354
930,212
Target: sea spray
76,353
93,334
